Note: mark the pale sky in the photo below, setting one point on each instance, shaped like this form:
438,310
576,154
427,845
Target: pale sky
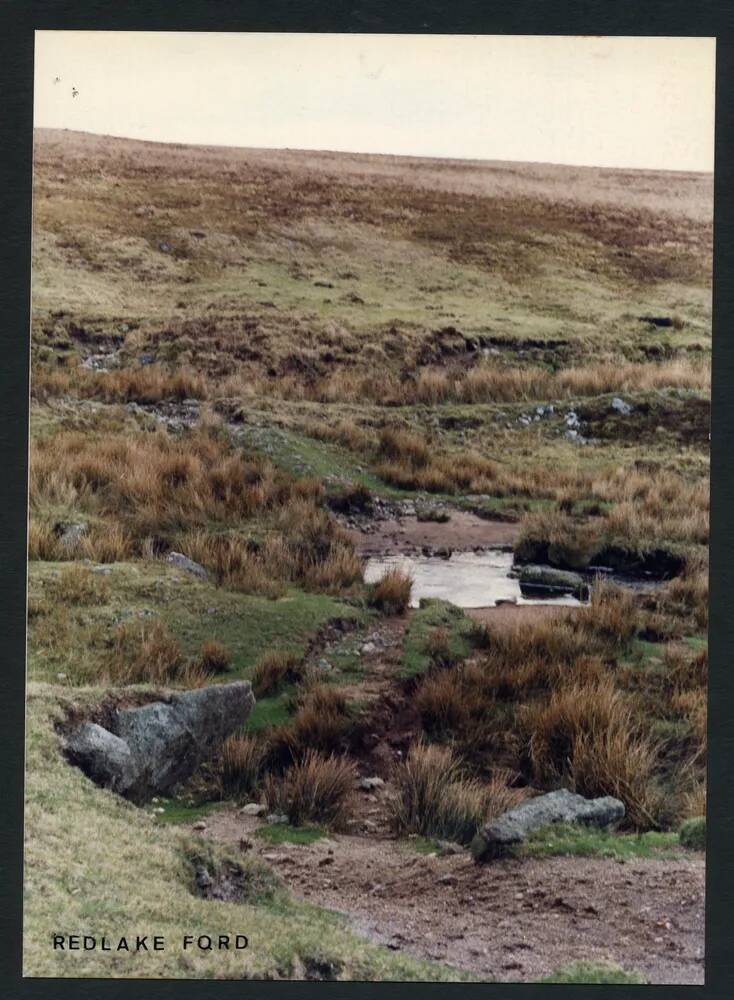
596,101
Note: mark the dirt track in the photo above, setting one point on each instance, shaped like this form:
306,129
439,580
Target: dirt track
511,920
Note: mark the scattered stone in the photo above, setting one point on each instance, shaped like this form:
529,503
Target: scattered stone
276,818
200,825
561,806
621,407
448,847
155,747
368,784
102,570
253,809
182,562
70,533
368,647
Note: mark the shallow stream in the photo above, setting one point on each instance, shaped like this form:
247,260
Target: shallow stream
467,579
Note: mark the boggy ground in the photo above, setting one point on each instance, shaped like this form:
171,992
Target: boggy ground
278,363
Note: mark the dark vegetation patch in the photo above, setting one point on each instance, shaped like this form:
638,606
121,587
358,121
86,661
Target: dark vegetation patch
216,874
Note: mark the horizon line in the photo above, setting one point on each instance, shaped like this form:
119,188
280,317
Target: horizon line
356,152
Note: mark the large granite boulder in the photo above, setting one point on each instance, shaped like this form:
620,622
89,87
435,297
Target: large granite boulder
562,806
157,746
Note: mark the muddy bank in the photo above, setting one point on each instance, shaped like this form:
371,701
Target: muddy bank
463,531
512,920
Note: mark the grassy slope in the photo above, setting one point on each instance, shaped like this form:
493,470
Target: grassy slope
88,855
298,264
73,641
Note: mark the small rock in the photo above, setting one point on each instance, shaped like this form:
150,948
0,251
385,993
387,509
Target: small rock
276,818
447,880
561,806
368,647
328,860
369,783
621,407
253,809
70,533
200,825
180,561
448,847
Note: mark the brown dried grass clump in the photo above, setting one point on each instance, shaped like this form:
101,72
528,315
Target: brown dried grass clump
434,799
586,734
241,765
322,722
317,789
391,593
276,669
149,654
437,647
214,657
147,385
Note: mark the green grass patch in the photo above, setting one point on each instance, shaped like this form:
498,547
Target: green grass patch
595,972
435,614
420,844
73,641
565,839
269,712
693,833
181,811
284,833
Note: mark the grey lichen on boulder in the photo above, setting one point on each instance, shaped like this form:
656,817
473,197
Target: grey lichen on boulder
499,836
157,746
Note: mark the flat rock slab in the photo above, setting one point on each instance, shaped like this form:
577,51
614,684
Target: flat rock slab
562,806
156,747
551,580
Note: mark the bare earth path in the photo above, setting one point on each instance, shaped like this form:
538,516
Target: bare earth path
511,920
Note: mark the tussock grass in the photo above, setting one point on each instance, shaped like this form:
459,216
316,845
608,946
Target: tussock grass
321,722
145,492
587,734
391,593
317,789
490,383
276,669
151,384
147,653
214,657
434,798
242,760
